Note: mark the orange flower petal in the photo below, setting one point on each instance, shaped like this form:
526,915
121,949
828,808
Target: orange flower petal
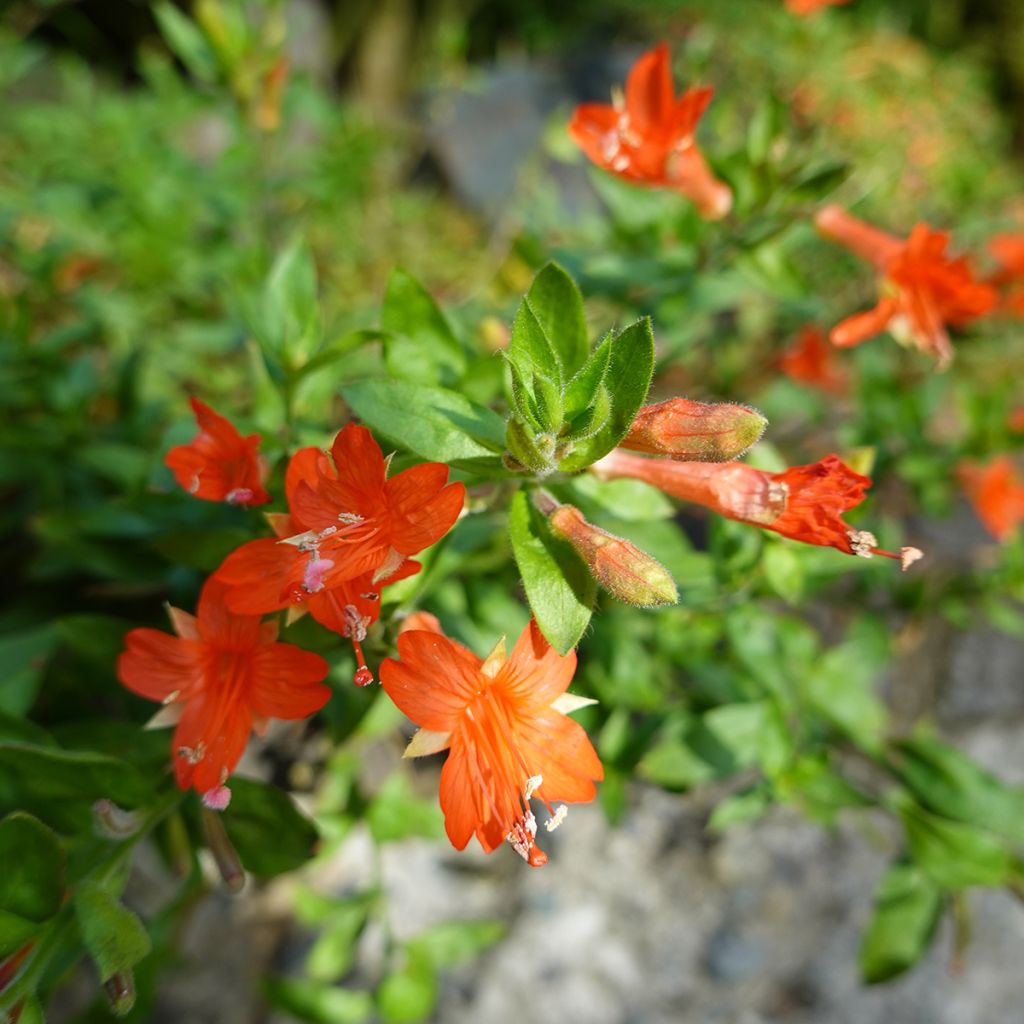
157,665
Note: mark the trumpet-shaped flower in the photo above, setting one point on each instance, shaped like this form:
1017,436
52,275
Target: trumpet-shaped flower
503,721
804,503
996,491
221,677
219,464
647,136
354,528
922,288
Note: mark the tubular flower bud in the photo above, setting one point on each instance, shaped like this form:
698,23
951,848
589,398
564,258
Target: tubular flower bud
804,503
625,571
922,288
695,431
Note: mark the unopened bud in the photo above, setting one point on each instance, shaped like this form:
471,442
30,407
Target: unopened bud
695,431
112,822
625,571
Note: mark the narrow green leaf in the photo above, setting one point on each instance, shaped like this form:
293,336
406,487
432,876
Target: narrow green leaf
906,911
449,944
549,403
187,42
409,995
431,422
581,391
420,344
267,829
630,368
530,350
951,784
395,813
560,590
740,809
115,937
318,1003
31,881
558,306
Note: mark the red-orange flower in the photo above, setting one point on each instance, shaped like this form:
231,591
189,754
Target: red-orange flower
804,503
996,491
805,7
221,677
923,289
811,360
504,722
1009,252
219,464
648,136
351,521
350,607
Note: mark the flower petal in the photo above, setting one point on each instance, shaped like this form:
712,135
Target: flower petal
535,673
434,680
285,682
258,574
156,665
649,92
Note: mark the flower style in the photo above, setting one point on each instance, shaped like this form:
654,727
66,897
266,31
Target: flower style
219,464
1008,250
996,491
805,7
810,360
504,723
648,136
695,431
349,529
222,677
923,289
804,503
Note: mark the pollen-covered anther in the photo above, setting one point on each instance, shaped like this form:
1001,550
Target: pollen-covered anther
522,835
533,783
313,578
171,697
862,543
349,518
908,556
193,485
239,496
355,624
556,819
193,755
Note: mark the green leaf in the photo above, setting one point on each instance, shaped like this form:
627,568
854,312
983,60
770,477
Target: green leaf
24,655
549,403
454,942
740,809
581,391
115,937
317,1003
187,42
268,831
952,854
558,586
420,344
903,920
396,814
753,732
333,953
32,880
784,571
951,784
630,368
820,792
557,304
630,500
290,325
47,776
431,422
529,350
409,995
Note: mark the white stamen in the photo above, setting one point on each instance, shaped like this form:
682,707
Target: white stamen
561,811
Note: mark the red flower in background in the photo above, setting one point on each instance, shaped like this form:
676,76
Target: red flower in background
1009,252
996,491
811,360
923,289
805,7
223,676
349,529
804,503
504,722
219,464
648,137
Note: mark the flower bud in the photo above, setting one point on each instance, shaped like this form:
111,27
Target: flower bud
120,990
625,571
695,431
